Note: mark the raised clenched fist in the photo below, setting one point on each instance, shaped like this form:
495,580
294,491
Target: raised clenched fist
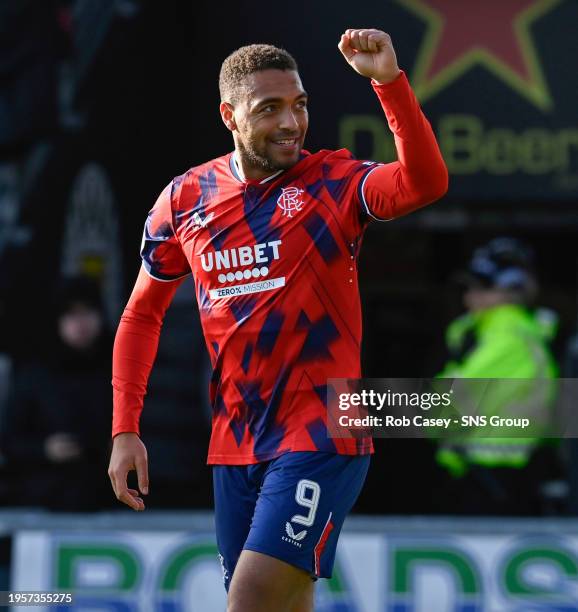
370,53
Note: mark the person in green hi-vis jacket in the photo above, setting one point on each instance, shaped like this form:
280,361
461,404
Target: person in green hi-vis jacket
500,337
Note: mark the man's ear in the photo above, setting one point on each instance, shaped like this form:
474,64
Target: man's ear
228,115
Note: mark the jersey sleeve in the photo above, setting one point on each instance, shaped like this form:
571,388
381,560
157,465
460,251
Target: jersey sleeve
161,252
418,177
135,348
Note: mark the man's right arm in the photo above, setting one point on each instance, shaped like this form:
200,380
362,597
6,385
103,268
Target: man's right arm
135,349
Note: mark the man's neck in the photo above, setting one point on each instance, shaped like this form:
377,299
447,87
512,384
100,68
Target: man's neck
253,174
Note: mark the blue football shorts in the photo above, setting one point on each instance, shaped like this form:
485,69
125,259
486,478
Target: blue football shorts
291,508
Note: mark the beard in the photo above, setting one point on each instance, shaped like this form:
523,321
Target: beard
258,158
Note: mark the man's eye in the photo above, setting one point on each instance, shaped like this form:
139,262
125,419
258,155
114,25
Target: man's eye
302,105
270,108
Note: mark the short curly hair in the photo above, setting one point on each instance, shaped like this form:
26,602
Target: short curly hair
247,60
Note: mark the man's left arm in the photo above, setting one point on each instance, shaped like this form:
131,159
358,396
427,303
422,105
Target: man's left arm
419,176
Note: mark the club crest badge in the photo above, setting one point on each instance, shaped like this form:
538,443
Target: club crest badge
290,201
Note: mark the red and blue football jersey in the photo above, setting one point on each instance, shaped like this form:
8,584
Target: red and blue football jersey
275,270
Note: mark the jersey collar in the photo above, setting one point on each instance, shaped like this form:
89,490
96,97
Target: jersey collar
238,173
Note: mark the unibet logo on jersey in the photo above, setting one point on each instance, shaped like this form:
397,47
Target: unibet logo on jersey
236,261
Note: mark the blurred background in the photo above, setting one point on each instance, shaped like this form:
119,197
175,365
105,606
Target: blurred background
102,102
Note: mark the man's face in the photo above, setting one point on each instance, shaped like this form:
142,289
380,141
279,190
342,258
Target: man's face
270,121
80,326
477,299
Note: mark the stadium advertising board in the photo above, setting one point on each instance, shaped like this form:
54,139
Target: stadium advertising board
494,79
496,98
180,572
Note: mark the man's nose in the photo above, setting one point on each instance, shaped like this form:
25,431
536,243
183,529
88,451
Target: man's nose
288,121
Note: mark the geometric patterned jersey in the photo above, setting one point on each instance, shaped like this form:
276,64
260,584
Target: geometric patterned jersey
275,270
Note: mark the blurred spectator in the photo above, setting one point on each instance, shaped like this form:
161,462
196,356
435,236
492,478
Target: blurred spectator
501,337
57,421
